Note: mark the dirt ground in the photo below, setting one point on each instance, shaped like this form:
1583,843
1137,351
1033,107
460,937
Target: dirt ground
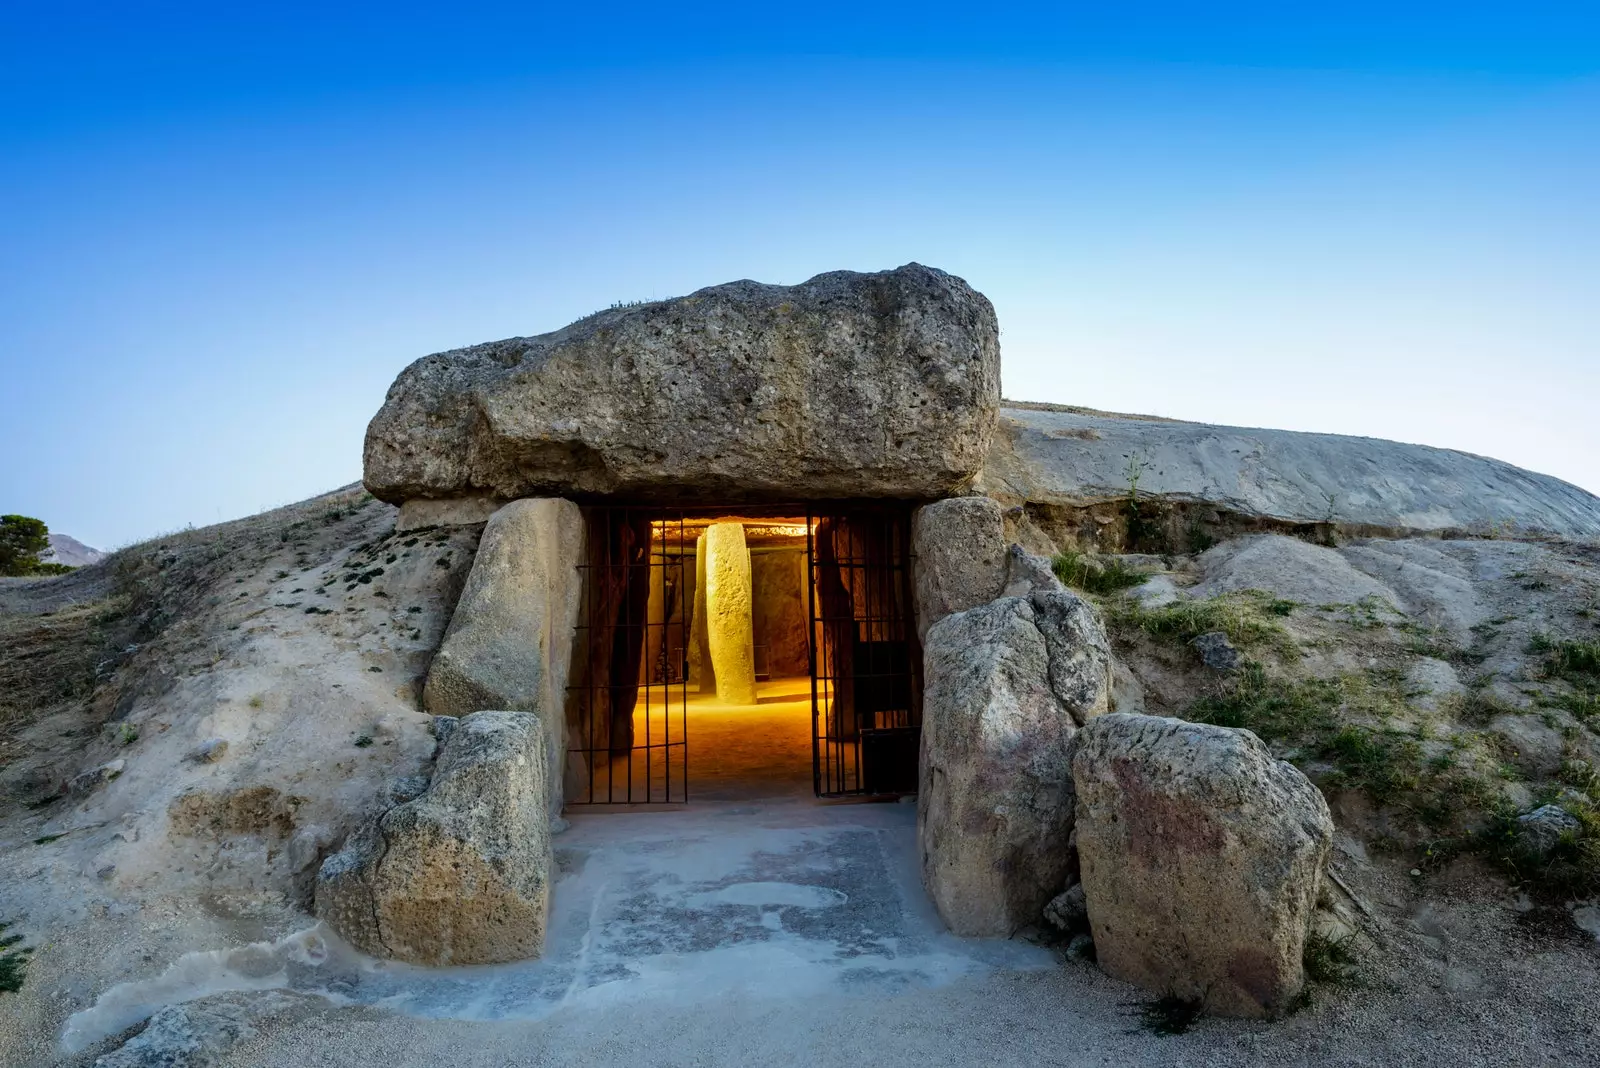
769,931
792,932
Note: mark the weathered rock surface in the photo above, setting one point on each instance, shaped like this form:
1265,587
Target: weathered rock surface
1201,858
462,874
509,645
1216,651
1007,685
1048,454
198,1034
847,385
1542,828
1289,568
960,548
423,514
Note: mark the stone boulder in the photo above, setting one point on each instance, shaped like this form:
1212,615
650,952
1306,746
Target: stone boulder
960,548
1007,684
1050,456
462,874
847,385
509,644
1201,858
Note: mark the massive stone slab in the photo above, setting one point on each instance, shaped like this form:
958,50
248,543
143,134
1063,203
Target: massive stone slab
847,385
960,549
509,644
1054,455
462,874
1007,685
1201,857
729,631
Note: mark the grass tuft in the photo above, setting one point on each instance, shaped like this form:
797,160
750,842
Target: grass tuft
1170,1014
13,960
1331,961
1249,618
1103,579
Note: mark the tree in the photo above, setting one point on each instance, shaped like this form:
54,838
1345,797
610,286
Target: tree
22,539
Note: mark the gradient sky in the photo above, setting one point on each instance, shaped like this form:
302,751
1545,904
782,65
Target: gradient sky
223,233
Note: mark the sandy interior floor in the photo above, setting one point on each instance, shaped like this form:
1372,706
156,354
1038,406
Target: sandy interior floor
724,752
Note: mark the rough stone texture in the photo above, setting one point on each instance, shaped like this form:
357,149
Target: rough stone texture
201,1033
509,645
847,385
1054,455
1201,858
1007,684
1542,828
729,631
778,609
1528,743
1289,568
1068,911
960,550
462,874
422,514
1216,651
1028,572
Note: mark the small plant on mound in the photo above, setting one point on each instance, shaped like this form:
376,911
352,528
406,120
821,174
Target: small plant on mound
1338,723
1576,661
1331,961
13,960
1248,618
1565,869
1075,570
1170,1014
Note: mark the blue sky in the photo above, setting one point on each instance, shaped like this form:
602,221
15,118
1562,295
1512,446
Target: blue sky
223,232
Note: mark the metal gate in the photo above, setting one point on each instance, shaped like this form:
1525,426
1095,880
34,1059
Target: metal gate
866,682
628,701
628,698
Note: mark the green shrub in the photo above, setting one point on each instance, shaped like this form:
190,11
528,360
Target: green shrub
1247,617
22,540
1103,579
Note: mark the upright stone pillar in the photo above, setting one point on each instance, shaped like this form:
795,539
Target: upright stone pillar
728,627
701,674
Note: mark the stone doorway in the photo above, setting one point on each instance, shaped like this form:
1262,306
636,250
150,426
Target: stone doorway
741,652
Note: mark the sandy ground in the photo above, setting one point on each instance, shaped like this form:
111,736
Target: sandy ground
721,751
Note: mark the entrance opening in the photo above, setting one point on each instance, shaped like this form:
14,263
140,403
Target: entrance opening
744,651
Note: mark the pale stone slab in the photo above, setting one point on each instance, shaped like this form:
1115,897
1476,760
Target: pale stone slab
959,547
462,874
509,645
420,512
846,385
729,630
1201,857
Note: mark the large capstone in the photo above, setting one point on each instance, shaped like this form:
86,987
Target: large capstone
848,385
1008,684
1201,857
462,874
509,645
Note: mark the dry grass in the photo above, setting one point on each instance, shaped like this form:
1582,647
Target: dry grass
51,660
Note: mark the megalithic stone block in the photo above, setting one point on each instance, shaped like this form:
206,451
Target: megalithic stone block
729,631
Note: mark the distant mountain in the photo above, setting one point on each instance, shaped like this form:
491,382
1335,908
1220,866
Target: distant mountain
68,550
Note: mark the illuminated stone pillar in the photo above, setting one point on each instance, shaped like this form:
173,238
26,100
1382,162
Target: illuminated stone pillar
728,627
701,674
